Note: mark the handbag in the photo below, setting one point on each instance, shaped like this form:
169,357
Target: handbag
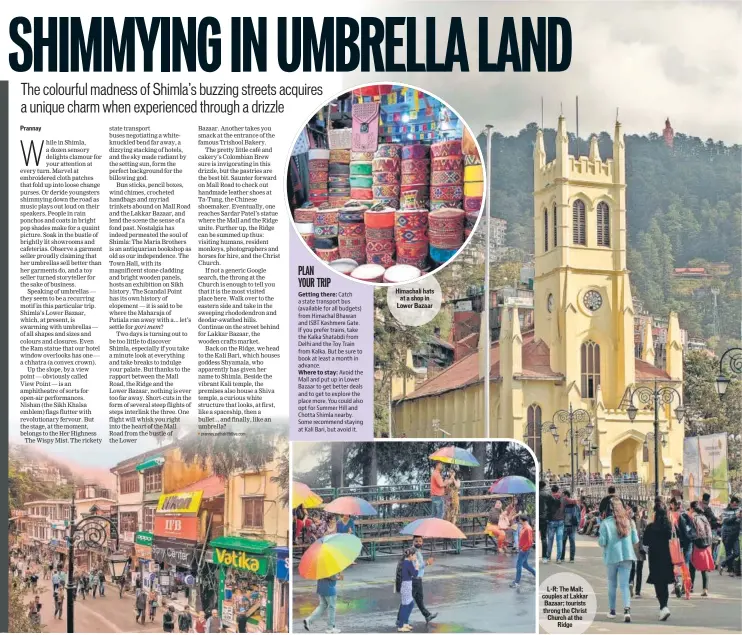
339,139
365,127
676,551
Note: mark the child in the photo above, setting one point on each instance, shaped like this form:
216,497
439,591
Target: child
409,573
525,543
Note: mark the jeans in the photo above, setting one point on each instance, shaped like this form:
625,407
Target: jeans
522,563
555,529
404,614
417,596
635,577
618,576
437,506
542,532
326,603
569,534
731,549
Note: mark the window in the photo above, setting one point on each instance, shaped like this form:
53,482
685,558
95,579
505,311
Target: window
546,230
556,242
128,521
604,225
252,512
149,518
533,431
130,483
153,480
578,223
645,453
590,354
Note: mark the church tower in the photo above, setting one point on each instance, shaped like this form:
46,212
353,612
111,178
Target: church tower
582,297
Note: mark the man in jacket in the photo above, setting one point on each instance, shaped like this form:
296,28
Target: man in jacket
141,604
555,525
571,510
708,512
730,528
327,592
543,497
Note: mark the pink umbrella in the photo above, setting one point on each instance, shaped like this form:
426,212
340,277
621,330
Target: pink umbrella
352,506
433,528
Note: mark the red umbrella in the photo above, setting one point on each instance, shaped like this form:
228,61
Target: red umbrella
433,528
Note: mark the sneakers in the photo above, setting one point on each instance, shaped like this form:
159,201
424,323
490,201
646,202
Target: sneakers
335,629
705,593
664,614
638,595
545,561
627,614
611,614
514,585
431,617
306,625
402,629
559,562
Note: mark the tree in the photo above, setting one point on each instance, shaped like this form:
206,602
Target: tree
282,476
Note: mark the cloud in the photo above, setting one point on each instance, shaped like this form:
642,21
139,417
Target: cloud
651,60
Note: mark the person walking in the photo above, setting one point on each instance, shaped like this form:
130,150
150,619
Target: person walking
730,529
640,551
152,602
101,583
555,525
327,592
571,523
617,537
55,581
168,620
525,544
140,604
543,497
93,582
701,558
58,603
185,621
406,603
418,593
657,537
200,625
437,490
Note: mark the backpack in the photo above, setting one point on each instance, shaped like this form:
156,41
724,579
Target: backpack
703,531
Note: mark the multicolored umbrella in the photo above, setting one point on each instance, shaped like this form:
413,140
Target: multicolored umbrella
302,495
329,555
432,528
352,506
455,456
512,485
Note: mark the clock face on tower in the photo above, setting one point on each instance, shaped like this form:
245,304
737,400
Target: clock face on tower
592,300
550,303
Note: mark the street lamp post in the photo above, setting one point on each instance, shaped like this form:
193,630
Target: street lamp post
735,365
659,395
575,418
89,532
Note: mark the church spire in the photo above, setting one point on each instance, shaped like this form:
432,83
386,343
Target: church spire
594,151
648,345
539,153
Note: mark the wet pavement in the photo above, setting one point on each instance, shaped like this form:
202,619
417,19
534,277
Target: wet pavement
718,613
469,592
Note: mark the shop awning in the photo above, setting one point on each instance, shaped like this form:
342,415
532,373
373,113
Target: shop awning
242,544
155,461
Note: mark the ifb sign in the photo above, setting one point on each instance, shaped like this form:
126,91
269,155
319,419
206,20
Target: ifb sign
240,560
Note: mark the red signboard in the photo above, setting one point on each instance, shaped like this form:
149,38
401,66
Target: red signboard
183,527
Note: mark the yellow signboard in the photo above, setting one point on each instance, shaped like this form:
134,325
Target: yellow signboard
180,503
240,560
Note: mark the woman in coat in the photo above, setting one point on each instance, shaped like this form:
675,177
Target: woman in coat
617,537
657,540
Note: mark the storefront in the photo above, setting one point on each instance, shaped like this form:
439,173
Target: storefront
281,591
247,572
143,566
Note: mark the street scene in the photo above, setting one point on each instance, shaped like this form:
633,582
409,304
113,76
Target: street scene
413,536
191,535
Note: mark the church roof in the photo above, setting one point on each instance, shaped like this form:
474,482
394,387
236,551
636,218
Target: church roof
465,372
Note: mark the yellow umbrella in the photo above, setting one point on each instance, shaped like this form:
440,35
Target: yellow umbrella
302,495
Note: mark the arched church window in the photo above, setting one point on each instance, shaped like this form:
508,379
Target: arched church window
533,430
556,242
590,356
546,230
604,225
578,223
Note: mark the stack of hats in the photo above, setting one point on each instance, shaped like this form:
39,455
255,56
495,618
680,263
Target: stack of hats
319,163
446,175
411,236
326,233
361,181
473,190
446,233
380,235
352,232
339,177
415,186
386,175
304,220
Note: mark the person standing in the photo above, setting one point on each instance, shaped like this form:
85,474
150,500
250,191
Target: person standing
543,498
639,521
701,558
452,497
555,525
185,621
327,592
408,572
168,620
345,525
617,537
437,490
152,602
571,523
730,528
525,544
140,604
242,621
657,537
58,603
200,625
101,583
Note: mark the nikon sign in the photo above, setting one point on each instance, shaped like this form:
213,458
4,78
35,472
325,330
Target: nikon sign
180,503
240,560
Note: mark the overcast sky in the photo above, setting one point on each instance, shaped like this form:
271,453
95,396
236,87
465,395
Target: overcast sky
649,59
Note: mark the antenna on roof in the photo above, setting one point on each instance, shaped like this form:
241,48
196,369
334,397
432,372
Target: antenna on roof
616,115
577,124
561,109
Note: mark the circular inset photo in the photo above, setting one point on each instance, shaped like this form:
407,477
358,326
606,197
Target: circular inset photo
385,183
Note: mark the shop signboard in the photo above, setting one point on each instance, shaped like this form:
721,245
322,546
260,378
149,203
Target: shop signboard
180,527
180,503
143,538
178,553
241,560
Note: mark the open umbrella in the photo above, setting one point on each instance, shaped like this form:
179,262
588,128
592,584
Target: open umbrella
329,555
302,495
351,505
432,528
455,456
512,485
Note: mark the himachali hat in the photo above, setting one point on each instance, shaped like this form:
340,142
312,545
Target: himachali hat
445,149
388,150
369,273
416,151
